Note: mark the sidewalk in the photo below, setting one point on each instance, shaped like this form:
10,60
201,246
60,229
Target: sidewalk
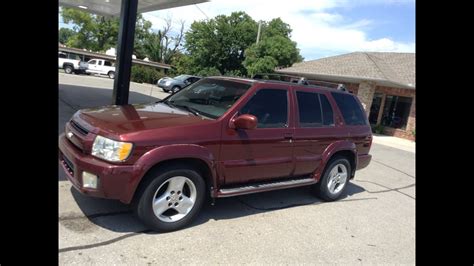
399,143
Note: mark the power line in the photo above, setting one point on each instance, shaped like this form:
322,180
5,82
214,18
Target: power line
201,11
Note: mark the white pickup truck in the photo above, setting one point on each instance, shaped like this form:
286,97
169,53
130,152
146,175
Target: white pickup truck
71,63
102,67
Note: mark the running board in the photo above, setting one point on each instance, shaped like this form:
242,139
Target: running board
260,187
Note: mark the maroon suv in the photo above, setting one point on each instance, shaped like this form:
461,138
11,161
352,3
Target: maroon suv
221,137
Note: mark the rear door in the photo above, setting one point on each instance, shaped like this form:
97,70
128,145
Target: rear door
266,152
315,129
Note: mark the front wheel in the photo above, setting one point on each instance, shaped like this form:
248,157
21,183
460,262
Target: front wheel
111,74
172,199
334,180
175,89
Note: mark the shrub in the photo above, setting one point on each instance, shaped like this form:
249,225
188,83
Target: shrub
378,129
143,74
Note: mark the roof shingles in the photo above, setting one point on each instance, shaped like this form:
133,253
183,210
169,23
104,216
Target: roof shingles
397,68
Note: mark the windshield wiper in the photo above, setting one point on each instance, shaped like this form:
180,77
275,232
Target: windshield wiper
189,109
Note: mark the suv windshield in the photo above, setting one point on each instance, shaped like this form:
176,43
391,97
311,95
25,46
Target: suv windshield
208,97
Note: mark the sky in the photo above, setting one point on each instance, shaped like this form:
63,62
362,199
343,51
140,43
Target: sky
321,28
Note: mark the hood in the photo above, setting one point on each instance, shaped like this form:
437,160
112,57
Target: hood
132,118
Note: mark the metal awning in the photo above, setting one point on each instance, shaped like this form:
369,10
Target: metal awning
112,7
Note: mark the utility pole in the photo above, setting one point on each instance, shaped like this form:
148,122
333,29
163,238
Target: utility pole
259,29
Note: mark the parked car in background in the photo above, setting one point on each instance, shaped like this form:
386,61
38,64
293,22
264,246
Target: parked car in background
101,67
219,137
71,63
177,83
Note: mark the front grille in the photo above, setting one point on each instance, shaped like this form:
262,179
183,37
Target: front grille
79,128
68,165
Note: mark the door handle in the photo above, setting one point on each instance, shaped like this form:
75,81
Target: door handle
288,137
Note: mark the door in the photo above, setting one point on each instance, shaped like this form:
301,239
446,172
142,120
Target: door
92,66
315,129
263,153
100,67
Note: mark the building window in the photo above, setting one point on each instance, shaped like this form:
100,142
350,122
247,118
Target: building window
396,111
375,107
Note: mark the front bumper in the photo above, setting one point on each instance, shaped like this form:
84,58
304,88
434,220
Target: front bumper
113,180
164,87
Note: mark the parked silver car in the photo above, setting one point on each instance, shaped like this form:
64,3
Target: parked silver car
177,83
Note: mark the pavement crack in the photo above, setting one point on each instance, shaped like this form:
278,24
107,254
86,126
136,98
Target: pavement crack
104,243
391,167
388,189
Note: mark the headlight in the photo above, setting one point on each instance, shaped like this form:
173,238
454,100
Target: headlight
111,150
168,83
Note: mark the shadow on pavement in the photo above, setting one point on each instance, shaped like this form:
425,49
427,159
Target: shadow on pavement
118,217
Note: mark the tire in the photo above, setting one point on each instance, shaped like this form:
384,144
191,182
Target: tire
181,192
166,90
175,89
330,187
68,69
111,74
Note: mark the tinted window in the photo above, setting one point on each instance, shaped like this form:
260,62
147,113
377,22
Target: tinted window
309,109
100,63
350,109
270,106
92,62
314,109
107,63
328,114
62,56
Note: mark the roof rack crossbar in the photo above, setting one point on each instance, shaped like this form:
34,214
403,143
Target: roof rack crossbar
300,80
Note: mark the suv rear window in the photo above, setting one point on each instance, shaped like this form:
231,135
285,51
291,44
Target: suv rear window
350,108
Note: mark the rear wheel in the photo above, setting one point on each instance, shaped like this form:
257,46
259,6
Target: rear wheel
68,69
111,74
171,199
334,180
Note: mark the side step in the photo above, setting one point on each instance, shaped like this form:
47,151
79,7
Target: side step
260,187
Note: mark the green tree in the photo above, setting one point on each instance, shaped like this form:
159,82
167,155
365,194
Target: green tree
274,49
65,34
220,42
99,33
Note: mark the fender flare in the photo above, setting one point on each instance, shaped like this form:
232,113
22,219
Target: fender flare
169,152
332,149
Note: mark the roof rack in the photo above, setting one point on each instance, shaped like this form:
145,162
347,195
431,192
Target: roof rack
299,80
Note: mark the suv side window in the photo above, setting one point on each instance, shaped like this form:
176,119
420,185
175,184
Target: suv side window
350,108
92,62
62,56
270,106
100,63
314,109
107,63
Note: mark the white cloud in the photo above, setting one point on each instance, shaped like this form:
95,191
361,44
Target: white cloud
316,29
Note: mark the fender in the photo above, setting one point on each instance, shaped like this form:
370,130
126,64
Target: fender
330,150
168,152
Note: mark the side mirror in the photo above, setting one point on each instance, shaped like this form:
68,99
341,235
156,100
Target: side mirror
245,121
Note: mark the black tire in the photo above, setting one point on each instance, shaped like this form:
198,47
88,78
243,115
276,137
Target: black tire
166,90
111,74
175,89
321,188
146,193
68,69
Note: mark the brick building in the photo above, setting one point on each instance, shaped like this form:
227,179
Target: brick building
384,82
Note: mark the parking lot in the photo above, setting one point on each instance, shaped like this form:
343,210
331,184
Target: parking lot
374,222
